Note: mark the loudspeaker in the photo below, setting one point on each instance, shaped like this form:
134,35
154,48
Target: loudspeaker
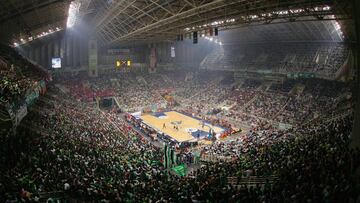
181,37
195,37
216,31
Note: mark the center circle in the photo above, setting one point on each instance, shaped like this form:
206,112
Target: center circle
191,130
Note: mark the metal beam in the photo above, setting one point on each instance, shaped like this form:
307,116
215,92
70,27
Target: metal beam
165,9
154,16
29,8
113,12
187,13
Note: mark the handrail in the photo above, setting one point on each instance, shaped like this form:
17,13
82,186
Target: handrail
251,180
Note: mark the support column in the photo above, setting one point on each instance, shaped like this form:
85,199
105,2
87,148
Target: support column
50,52
72,51
62,50
43,55
76,52
68,50
93,59
81,52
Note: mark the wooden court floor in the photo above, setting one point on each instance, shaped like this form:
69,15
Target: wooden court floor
187,124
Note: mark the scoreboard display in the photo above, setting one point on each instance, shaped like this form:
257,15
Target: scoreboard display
122,63
56,62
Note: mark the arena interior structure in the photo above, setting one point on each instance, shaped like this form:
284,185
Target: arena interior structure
179,101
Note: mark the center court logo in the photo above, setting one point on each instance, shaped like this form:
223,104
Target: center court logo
191,130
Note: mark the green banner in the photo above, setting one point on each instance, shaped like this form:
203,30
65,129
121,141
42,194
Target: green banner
169,157
180,169
30,99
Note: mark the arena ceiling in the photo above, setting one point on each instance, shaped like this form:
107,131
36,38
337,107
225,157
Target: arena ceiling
120,21
29,18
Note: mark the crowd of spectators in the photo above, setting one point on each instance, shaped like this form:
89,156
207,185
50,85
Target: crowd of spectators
77,149
249,102
320,58
17,75
70,146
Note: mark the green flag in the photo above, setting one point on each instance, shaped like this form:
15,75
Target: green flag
180,169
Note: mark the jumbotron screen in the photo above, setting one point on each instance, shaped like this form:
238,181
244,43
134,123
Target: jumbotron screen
56,62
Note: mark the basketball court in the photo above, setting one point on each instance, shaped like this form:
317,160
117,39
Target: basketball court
180,126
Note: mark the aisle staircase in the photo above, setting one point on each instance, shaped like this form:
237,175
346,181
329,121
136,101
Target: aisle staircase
281,110
166,79
216,158
62,88
117,102
213,59
268,86
141,80
249,102
341,112
213,84
298,89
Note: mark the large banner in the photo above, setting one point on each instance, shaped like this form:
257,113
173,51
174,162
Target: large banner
173,52
153,61
169,157
93,59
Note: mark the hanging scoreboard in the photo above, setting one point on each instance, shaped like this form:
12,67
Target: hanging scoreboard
122,63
